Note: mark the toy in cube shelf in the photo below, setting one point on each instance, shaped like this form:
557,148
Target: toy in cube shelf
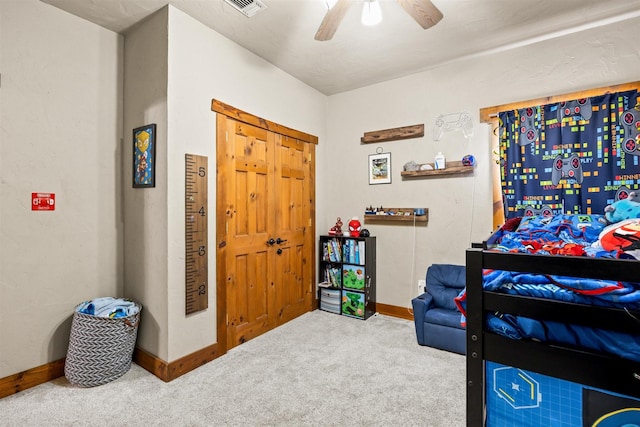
353,276
353,304
354,227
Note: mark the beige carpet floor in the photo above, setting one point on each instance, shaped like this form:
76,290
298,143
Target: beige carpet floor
320,369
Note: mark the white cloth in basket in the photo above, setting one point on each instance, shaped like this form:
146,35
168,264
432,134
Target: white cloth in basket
113,308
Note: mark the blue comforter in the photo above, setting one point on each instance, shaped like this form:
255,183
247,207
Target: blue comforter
555,235
578,290
560,235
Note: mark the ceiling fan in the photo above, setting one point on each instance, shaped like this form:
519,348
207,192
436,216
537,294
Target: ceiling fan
423,11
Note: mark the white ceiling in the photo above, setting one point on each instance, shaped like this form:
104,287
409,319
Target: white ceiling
358,56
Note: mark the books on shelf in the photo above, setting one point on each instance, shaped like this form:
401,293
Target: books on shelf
331,251
350,251
354,251
333,275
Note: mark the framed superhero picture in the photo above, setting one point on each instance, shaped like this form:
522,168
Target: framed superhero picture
144,156
380,168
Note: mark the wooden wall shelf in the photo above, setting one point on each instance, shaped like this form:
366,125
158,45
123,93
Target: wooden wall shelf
406,132
453,168
398,216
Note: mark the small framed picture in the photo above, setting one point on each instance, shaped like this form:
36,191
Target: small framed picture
144,156
380,168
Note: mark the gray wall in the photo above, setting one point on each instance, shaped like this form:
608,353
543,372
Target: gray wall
145,209
61,113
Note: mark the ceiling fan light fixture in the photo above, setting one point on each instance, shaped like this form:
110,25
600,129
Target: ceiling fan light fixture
371,12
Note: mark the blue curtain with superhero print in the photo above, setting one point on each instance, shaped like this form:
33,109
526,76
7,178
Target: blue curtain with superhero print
572,157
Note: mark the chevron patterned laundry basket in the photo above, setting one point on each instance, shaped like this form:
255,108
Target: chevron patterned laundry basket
100,348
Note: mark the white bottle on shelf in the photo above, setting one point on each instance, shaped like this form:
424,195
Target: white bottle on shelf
440,162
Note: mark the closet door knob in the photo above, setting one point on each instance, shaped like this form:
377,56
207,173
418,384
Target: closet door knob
279,240
271,242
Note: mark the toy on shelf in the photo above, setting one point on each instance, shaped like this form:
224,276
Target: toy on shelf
336,230
370,210
354,227
468,160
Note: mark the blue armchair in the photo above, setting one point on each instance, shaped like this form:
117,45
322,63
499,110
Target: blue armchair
435,314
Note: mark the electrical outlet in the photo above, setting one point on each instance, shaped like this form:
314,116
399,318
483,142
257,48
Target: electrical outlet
421,285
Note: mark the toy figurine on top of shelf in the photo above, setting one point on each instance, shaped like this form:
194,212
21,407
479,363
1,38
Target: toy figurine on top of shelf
336,230
354,227
374,211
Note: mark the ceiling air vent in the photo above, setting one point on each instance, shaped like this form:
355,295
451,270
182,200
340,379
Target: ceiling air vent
247,7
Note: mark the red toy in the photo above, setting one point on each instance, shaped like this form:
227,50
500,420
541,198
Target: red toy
354,227
336,230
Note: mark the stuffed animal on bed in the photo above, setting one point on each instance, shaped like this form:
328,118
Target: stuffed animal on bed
623,209
623,236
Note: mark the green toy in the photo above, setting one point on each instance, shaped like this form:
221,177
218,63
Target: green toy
353,277
353,304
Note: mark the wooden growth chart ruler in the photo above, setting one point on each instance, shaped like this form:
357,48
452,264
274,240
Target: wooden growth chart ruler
196,225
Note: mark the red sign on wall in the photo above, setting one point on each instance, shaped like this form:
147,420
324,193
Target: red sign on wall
43,201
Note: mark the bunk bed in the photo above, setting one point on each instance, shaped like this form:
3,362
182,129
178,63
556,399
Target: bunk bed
597,371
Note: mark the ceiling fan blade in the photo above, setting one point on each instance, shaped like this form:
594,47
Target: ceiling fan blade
423,11
331,20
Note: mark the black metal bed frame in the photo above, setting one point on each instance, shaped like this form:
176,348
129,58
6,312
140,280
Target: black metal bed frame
584,367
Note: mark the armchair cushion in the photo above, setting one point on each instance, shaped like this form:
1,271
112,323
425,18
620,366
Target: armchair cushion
443,316
444,283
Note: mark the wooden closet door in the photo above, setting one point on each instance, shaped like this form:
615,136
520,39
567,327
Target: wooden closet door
293,267
249,182
267,188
